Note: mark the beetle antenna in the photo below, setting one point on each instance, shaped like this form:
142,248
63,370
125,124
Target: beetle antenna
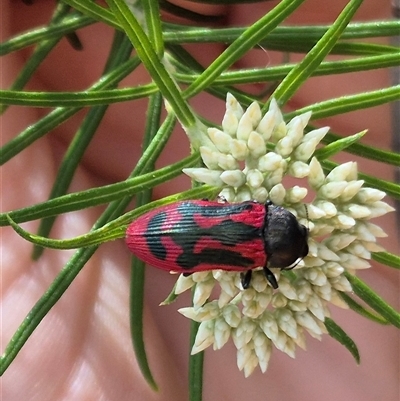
308,218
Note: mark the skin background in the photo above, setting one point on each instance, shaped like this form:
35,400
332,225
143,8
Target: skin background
82,349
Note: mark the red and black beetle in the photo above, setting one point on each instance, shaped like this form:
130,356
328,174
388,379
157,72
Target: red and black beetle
197,235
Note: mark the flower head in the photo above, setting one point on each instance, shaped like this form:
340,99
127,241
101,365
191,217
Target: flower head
252,158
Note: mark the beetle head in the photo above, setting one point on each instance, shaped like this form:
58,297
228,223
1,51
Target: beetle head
285,238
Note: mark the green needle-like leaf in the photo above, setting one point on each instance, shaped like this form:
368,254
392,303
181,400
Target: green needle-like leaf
111,231
249,38
355,306
136,293
136,320
313,59
337,146
100,195
59,115
82,138
152,62
346,104
386,258
372,299
43,306
340,335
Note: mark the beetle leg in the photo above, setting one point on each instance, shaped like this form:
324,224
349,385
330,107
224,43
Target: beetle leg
245,279
270,277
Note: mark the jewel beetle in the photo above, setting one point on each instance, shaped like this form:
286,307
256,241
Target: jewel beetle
197,235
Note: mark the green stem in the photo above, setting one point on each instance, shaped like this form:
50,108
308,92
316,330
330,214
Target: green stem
195,367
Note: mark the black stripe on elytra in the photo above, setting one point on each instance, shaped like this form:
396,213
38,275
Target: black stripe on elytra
211,256
227,209
154,242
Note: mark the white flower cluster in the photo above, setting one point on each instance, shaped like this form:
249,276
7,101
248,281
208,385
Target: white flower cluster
251,158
